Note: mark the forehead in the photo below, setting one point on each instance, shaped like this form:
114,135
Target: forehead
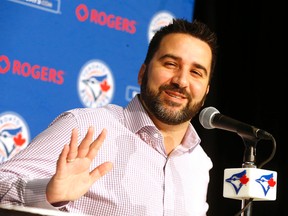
186,47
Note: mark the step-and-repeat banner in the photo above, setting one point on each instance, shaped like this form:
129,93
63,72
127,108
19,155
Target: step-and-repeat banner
56,55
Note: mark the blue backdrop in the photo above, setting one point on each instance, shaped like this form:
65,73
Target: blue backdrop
57,55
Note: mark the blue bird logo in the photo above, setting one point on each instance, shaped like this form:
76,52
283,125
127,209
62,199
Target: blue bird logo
95,84
9,139
237,180
266,182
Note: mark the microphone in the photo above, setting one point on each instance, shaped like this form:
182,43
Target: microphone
211,118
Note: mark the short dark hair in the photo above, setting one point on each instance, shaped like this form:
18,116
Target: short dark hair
195,28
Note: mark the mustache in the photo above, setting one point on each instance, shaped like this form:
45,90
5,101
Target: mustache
175,88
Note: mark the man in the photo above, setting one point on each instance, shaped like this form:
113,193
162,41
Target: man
144,159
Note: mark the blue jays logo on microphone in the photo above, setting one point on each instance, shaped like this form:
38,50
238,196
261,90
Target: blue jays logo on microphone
14,135
95,84
237,180
266,182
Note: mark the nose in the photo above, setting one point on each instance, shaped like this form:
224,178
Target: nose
181,78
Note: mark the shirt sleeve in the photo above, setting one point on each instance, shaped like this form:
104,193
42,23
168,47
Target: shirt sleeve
24,178
35,194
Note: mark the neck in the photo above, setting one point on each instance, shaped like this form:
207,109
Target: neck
172,134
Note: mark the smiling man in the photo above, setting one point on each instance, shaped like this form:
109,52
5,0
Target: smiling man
144,159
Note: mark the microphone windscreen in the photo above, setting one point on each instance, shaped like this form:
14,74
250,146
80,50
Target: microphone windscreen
206,117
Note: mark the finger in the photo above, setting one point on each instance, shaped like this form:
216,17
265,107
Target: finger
84,146
100,171
73,145
96,144
61,162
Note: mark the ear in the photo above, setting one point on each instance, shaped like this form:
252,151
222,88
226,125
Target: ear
207,91
208,88
141,73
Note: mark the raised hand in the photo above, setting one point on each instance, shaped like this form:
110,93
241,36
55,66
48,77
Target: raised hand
73,177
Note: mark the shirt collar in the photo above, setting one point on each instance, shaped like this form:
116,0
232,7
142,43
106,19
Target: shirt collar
191,138
136,118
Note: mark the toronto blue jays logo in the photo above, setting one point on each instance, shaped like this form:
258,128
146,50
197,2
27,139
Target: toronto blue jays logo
14,135
266,182
159,20
237,180
95,84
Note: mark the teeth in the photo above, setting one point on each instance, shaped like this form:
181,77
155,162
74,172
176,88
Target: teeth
172,95
175,96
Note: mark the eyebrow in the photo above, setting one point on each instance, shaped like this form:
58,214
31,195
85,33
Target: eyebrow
199,66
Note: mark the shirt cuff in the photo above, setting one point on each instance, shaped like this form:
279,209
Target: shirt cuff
35,194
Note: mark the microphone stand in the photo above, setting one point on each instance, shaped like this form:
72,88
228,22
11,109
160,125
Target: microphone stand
249,161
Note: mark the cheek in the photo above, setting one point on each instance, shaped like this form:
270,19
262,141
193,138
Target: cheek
198,90
158,78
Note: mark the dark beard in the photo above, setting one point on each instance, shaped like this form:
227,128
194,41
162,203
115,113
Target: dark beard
157,108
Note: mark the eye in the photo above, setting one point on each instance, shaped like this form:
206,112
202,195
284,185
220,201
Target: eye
171,65
197,73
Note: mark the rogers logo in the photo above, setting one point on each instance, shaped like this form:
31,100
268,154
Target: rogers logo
36,72
4,61
100,17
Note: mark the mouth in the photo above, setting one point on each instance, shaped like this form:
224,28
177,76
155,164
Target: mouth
176,96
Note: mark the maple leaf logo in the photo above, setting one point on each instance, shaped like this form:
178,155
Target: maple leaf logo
19,141
244,179
271,182
104,86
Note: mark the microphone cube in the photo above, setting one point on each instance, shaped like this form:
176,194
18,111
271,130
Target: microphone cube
245,183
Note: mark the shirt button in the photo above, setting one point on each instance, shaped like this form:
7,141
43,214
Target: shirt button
156,135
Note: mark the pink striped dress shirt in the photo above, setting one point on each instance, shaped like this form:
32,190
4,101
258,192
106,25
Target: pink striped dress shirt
143,181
